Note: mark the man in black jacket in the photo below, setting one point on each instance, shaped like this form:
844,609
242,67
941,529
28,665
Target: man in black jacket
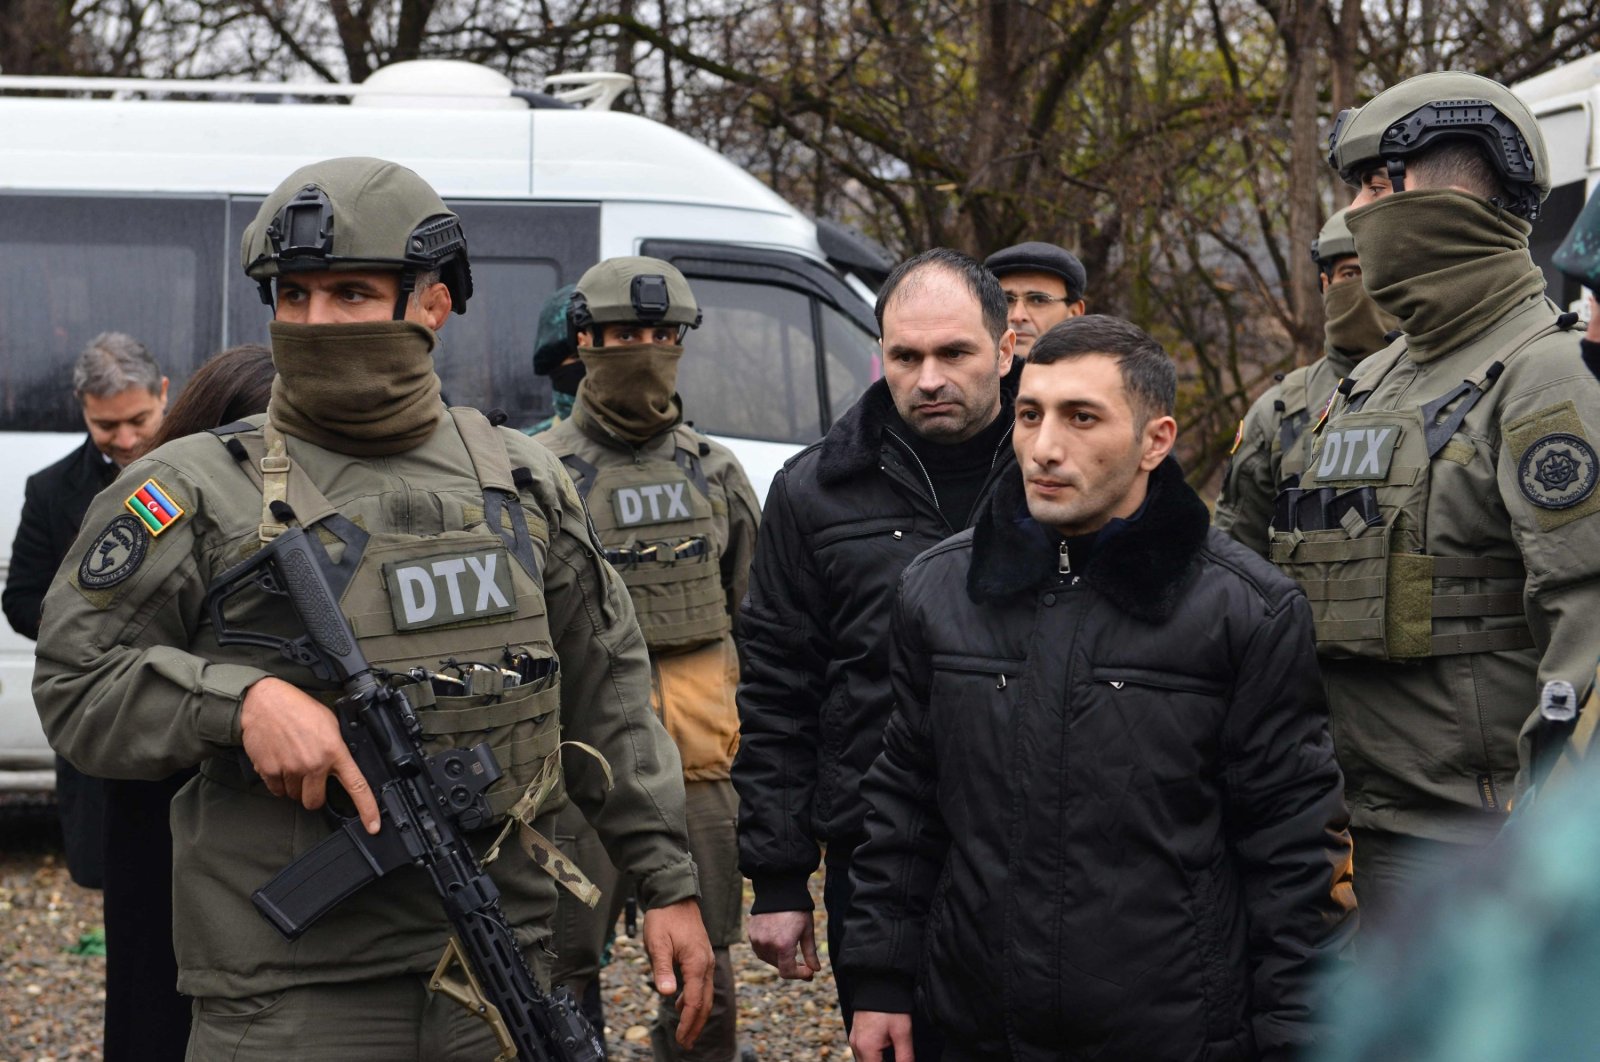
123,396
907,466
1107,821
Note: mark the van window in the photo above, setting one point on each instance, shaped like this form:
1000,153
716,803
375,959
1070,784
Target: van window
72,267
1556,216
854,360
750,370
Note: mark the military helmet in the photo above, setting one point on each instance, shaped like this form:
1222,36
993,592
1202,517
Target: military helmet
633,290
552,340
1333,242
357,214
1446,105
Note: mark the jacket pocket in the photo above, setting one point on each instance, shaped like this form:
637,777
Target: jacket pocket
1119,677
897,527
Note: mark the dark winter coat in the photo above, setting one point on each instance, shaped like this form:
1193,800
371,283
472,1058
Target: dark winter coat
1107,822
54,502
843,518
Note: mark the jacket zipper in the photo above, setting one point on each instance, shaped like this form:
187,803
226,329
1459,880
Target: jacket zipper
933,494
920,466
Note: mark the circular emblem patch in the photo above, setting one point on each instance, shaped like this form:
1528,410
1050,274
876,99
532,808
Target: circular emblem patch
1558,471
116,553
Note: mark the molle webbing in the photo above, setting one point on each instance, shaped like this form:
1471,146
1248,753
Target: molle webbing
500,498
1355,549
656,520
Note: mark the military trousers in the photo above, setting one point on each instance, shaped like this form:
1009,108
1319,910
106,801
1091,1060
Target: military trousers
385,1019
1392,870
581,932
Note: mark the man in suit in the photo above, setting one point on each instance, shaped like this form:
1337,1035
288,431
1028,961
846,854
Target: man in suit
123,396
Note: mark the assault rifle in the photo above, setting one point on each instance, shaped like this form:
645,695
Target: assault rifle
425,801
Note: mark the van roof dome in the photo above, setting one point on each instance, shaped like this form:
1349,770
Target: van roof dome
450,84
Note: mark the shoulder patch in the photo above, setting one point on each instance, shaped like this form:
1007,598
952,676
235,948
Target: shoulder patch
1327,407
1238,437
115,553
1558,471
154,507
1556,465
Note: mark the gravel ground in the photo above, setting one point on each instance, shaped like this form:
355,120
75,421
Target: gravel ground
52,1001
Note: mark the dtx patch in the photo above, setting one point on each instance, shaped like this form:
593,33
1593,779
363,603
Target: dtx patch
653,503
115,554
154,507
1356,453
1558,471
450,589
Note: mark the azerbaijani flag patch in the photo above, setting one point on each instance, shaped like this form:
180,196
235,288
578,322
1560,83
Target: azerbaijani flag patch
154,507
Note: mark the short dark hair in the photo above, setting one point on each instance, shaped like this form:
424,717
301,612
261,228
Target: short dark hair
1148,374
1459,162
980,282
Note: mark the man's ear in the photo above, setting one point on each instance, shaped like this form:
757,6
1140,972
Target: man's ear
1008,346
164,382
1159,435
433,306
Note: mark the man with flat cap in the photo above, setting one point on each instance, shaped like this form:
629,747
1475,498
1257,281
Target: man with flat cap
1044,286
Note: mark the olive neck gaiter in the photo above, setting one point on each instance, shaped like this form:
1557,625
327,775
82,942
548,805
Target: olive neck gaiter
630,391
361,389
1355,326
1447,264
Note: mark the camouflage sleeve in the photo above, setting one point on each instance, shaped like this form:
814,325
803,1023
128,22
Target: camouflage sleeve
605,702
1249,483
118,691
1547,473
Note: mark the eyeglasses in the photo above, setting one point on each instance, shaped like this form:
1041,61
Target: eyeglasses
1035,300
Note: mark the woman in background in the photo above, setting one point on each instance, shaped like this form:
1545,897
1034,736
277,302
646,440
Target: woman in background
146,1019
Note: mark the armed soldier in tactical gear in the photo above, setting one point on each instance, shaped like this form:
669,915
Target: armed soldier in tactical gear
677,517
466,571
1272,442
1443,528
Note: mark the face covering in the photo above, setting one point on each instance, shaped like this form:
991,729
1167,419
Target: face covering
564,379
1447,264
1355,326
361,389
631,390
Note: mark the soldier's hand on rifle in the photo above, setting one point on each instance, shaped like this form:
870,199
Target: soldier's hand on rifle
294,742
674,936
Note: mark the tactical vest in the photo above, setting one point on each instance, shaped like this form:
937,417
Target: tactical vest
1290,446
1353,533
655,520
466,605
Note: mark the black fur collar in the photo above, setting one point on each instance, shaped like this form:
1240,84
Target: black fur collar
1142,569
851,446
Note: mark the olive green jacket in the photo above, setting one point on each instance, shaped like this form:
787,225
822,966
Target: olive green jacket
1429,747
693,692
1255,469
131,683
